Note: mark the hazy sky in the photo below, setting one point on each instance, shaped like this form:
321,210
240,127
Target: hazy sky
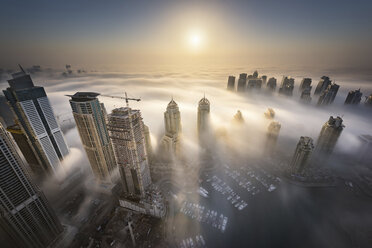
118,33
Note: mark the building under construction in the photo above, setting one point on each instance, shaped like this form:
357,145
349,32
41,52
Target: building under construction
127,134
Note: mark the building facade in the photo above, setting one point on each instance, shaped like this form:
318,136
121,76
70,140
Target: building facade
126,131
271,84
329,135
287,86
354,97
322,85
203,119
37,121
242,82
26,219
231,83
328,96
272,136
173,128
302,155
305,84
90,118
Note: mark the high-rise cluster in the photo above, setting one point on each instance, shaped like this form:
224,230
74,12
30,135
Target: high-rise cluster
247,82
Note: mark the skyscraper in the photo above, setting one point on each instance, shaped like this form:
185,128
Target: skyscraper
305,84
36,119
322,85
272,136
302,154
354,97
306,95
126,130
329,95
203,117
26,219
27,151
286,87
242,82
90,118
172,122
264,79
231,83
329,135
271,84
254,82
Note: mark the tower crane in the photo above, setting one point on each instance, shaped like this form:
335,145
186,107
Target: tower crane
126,98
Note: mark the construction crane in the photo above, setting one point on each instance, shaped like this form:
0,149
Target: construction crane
126,98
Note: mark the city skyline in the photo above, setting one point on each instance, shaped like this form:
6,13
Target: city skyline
187,124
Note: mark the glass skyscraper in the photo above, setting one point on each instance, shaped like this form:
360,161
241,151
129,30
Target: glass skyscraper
26,219
36,119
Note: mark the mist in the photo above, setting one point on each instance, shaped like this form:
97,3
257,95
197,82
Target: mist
231,147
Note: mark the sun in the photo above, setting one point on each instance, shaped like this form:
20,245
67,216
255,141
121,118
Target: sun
195,39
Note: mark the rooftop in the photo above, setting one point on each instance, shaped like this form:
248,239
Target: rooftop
83,96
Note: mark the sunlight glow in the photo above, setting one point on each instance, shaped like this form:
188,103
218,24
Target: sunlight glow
195,39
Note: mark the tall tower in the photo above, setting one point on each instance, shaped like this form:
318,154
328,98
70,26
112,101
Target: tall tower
172,122
36,119
328,95
322,85
126,130
286,87
231,83
242,82
90,118
172,119
305,84
354,97
329,135
271,84
302,154
26,219
272,136
203,117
